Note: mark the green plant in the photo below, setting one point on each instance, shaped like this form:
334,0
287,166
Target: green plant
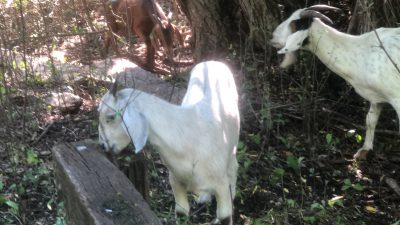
277,176
309,219
338,200
294,162
331,140
352,133
5,200
243,159
291,203
60,220
347,184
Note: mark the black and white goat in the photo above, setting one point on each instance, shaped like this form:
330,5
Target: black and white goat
196,140
367,62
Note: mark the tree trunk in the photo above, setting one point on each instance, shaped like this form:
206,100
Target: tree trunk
212,24
219,25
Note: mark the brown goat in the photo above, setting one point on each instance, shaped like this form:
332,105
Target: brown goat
144,18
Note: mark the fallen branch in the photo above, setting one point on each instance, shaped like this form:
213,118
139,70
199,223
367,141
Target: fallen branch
342,119
45,130
392,184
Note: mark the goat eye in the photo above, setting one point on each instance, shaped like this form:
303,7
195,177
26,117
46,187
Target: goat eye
110,118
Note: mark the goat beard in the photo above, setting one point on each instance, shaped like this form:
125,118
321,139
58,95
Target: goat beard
289,59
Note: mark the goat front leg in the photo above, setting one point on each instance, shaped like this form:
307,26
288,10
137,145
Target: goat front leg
371,121
224,199
182,207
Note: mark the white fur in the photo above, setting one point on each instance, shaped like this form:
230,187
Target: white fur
197,140
358,59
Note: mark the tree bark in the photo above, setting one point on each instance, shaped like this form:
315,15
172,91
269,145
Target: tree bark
211,24
219,25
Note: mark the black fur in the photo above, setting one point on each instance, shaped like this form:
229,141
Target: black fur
301,24
305,42
180,215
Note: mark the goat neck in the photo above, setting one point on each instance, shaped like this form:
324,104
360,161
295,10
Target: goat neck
332,48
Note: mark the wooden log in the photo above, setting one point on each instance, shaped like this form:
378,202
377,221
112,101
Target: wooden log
94,191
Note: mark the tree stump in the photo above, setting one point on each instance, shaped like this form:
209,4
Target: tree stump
95,192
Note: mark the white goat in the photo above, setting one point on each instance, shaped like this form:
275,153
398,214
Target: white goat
360,60
197,140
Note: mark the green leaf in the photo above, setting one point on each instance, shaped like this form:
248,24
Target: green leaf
346,184
359,138
329,138
12,204
1,185
277,175
2,199
291,202
294,162
256,138
310,219
345,187
358,187
279,172
31,157
317,205
60,221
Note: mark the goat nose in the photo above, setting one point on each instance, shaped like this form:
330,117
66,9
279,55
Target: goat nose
274,44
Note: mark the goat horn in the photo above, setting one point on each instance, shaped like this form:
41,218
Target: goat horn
114,89
311,14
322,7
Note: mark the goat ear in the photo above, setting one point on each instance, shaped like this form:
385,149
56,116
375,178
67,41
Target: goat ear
294,42
137,128
301,24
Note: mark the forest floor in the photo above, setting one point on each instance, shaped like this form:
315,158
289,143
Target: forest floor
295,156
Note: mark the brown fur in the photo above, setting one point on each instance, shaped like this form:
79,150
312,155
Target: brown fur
143,18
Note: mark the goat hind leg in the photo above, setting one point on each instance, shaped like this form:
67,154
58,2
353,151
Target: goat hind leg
150,52
371,121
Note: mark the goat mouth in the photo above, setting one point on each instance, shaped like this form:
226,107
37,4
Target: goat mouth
276,44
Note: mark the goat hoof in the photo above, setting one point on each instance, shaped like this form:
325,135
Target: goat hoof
180,215
215,221
225,221
361,154
181,218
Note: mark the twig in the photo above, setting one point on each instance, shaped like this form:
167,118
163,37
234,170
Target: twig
46,129
387,54
343,120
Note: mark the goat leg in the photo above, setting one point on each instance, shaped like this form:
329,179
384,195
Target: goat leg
150,52
371,121
181,201
224,203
